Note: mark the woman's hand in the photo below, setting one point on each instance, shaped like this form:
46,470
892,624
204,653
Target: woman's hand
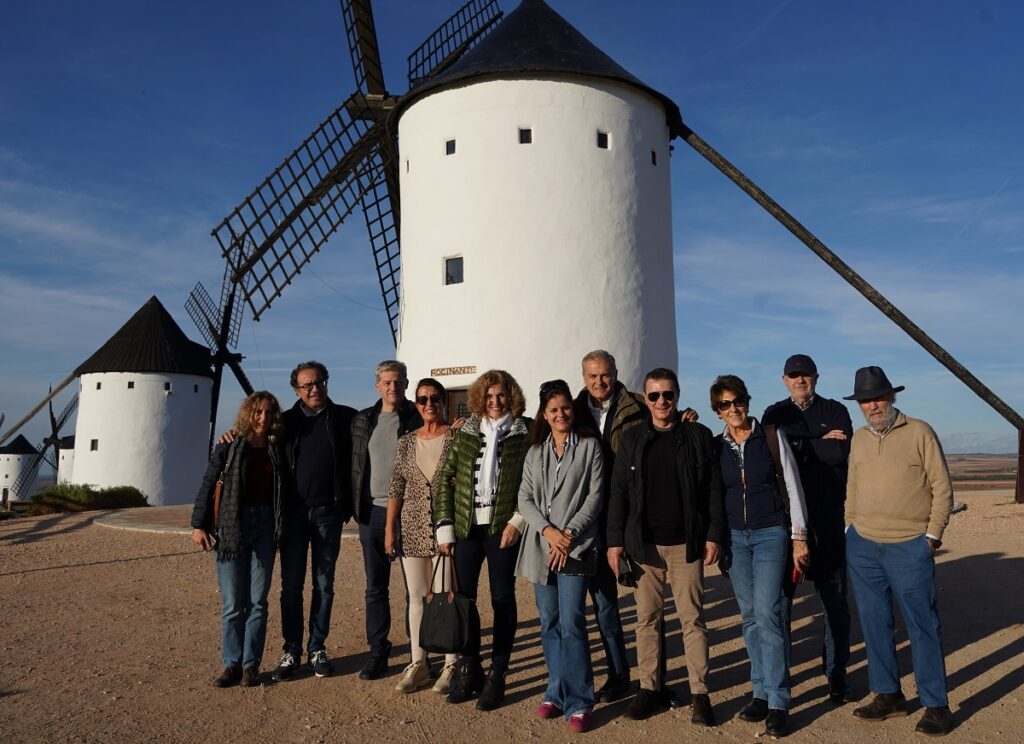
558,539
203,539
446,548
557,558
801,555
509,537
390,542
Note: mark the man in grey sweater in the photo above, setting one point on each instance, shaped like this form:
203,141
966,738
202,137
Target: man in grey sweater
375,433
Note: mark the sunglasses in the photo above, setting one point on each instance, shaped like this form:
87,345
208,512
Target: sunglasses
669,395
308,387
725,404
435,399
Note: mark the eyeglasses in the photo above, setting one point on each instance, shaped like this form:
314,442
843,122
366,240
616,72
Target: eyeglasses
308,387
669,395
435,399
725,404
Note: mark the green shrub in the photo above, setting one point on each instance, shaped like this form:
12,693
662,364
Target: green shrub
77,497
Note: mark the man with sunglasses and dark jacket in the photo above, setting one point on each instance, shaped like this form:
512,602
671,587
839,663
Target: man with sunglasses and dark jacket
666,513
375,433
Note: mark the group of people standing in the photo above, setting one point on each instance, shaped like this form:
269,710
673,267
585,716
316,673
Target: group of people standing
605,488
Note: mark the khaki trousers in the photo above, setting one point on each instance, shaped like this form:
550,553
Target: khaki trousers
663,562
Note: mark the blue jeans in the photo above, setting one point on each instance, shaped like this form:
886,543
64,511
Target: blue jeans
907,570
377,566
835,649
316,530
563,635
758,567
244,585
604,593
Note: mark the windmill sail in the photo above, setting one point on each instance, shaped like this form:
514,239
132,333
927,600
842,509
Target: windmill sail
467,26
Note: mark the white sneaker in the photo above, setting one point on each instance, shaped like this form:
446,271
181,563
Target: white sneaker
415,677
447,679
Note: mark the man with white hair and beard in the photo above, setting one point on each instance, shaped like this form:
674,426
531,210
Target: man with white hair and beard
898,501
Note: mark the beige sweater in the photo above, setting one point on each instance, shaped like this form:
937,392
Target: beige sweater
899,485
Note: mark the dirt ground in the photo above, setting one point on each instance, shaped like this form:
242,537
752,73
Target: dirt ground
112,636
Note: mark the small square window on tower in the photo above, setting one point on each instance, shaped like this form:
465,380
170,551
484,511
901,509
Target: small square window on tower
99,385
654,157
167,386
94,445
195,388
525,136
602,139
449,147
453,270
131,385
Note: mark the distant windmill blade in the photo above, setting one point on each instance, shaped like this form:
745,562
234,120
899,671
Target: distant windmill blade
27,476
240,375
204,313
35,409
853,278
291,215
361,33
65,414
463,30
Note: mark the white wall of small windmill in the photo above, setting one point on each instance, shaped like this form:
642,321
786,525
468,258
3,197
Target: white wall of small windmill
150,431
566,247
11,469
66,465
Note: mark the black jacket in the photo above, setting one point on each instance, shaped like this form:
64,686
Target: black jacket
700,482
202,511
339,432
363,425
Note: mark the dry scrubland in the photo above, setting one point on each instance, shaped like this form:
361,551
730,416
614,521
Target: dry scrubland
112,636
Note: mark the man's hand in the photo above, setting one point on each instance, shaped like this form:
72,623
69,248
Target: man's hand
712,552
801,555
390,543
227,437
203,539
446,548
689,415
509,537
614,556
835,434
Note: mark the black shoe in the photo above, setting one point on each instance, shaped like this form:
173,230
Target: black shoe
613,689
777,723
493,691
469,682
754,711
645,704
883,706
287,666
251,676
375,668
320,664
935,722
673,698
230,677
702,714
838,692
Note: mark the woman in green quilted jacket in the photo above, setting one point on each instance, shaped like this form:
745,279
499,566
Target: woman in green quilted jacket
475,519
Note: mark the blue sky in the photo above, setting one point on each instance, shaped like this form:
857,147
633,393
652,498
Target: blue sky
891,130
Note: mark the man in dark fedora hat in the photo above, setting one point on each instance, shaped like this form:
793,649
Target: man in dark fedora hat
819,431
898,502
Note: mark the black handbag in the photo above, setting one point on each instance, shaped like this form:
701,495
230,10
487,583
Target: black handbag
450,619
585,565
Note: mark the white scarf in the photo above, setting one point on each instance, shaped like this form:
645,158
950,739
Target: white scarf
494,431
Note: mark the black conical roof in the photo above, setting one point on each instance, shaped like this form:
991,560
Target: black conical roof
20,446
535,40
150,342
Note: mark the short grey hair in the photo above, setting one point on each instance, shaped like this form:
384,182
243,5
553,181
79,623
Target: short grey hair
391,365
600,355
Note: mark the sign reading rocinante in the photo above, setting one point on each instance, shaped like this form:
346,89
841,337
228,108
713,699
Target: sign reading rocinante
447,371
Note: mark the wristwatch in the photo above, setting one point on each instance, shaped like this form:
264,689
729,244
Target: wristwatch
574,533
936,544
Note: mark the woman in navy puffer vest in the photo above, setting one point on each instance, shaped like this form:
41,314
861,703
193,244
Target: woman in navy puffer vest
767,521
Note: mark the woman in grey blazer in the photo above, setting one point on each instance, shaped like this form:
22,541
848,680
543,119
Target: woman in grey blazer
560,498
